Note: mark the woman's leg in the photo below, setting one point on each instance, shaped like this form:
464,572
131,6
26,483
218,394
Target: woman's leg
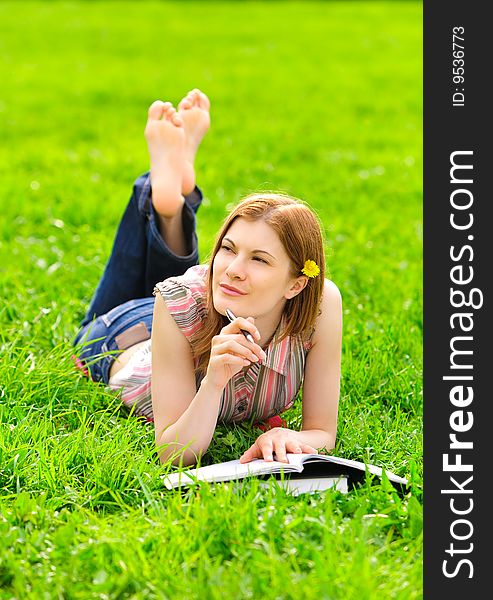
140,257
108,336
156,238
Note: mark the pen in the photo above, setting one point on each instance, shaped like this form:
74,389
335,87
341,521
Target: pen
247,334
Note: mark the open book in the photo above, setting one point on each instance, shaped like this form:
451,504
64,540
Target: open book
302,473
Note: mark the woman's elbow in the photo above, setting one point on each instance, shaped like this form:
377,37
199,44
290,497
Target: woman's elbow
177,455
330,443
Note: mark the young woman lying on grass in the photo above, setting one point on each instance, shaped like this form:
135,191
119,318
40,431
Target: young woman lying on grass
267,267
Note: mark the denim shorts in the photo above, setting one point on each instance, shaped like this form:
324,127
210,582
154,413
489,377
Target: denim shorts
101,340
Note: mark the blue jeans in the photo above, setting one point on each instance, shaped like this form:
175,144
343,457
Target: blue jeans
120,313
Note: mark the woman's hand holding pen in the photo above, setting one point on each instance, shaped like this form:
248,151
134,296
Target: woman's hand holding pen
231,351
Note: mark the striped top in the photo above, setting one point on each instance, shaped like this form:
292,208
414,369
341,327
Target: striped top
258,392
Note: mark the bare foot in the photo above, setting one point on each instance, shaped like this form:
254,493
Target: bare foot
165,135
194,112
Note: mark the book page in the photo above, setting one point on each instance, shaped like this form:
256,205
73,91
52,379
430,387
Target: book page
232,469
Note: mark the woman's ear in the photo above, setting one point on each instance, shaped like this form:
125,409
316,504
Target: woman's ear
296,287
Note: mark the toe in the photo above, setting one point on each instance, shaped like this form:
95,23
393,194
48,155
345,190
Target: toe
185,104
176,119
196,97
157,108
169,111
204,101
187,101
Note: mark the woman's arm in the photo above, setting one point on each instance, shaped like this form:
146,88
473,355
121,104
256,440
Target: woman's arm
321,385
320,390
182,416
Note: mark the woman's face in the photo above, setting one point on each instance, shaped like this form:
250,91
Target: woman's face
251,271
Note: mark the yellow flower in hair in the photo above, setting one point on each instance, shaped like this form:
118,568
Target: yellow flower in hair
311,269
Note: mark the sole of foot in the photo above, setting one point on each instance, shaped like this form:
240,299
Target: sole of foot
165,136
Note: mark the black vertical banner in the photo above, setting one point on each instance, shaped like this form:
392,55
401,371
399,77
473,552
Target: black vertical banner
458,354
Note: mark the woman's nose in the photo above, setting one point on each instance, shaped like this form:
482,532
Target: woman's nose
236,269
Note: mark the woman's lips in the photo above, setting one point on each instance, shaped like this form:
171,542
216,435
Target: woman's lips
231,291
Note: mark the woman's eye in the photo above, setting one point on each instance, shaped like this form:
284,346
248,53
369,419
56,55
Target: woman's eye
226,248
260,259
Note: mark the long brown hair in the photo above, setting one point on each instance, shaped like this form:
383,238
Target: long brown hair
300,233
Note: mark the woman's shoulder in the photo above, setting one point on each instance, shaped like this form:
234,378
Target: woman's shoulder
186,297
329,320
330,310
193,279
331,293
330,304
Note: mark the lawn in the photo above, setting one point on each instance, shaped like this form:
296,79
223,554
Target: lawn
318,99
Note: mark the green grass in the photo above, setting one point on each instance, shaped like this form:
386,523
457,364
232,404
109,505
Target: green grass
319,99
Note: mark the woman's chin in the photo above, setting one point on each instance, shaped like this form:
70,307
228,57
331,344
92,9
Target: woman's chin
222,303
